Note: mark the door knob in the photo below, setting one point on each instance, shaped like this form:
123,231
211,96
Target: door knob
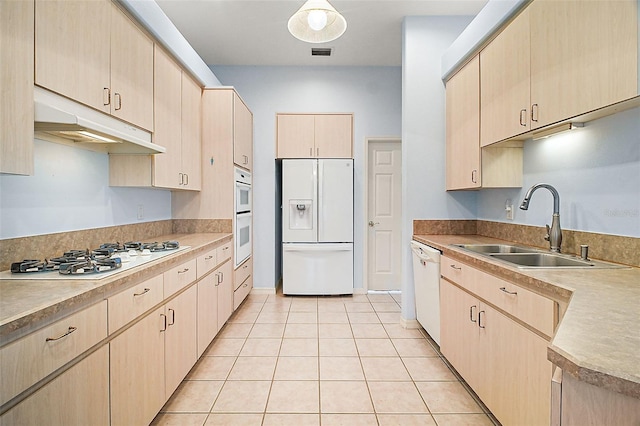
372,224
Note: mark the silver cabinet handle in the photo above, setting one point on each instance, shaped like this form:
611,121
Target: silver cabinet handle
471,316
118,100
534,112
164,322
145,291
208,258
318,152
183,271
480,319
504,289
474,177
523,117
65,334
180,178
173,316
457,268
106,96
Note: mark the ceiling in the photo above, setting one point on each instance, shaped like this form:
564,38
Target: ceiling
254,32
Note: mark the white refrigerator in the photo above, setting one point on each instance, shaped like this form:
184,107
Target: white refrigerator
317,226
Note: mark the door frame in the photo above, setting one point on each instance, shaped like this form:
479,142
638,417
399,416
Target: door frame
365,210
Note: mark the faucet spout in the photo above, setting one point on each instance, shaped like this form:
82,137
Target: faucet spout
554,234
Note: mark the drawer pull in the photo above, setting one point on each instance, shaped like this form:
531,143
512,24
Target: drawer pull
145,291
457,268
471,316
245,284
208,258
480,319
515,293
68,332
183,271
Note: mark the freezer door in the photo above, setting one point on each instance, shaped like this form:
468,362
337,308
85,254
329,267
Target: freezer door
335,200
299,201
317,269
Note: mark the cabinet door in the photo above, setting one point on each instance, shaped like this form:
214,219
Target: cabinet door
80,396
131,71
191,143
225,293
504,82
242,134
295,136
73,49
579,63
167,85
463,128
333,136
207,311
137,371
180,339
16,81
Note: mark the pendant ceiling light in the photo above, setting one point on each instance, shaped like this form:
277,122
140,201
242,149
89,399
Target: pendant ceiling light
317,22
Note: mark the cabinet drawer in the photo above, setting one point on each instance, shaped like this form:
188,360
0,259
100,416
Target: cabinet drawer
224,252
241,292
242,273
27,360
133,302
454,270
206,262
179,277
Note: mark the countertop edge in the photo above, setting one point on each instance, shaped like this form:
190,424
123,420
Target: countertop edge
555,353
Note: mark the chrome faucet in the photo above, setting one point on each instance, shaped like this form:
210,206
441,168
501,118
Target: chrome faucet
554,234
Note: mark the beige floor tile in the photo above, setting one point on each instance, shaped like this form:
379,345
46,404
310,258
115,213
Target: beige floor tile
384,369
303,331
273,419
224,347
250,307
184,419
253,368
428,369
256,298
276,307
333,317
267,330
340,368
338,347
386,307
357,298
293,397
261,347
397,331
193,396
349,420
243,397
463,420
406,420
235,331
302,318
447,397
297,368
331,305
303,304
242,316
212,368
396,397
345,397
223,419
413,347
266,317
334,331
358,307
299,347
363,317
380,298
397,297
375,347
369,331
389,317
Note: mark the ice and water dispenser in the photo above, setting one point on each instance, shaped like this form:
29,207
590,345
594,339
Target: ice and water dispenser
300,214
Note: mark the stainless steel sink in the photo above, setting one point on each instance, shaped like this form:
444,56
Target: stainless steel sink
496,248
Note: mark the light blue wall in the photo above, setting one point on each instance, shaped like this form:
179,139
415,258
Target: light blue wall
596,170
70,191
373,94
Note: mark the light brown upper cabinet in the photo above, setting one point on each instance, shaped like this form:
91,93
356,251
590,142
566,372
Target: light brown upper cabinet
314,136
16,81
242,134
463,128
557,60
92,52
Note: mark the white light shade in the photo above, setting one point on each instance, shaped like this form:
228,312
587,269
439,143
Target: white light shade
307,23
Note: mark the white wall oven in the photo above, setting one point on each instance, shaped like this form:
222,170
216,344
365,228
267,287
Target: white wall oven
243,216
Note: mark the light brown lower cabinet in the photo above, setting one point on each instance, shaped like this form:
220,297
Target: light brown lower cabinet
225,293
503,362
80,396
180,339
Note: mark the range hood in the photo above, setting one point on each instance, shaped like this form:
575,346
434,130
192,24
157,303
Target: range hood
59,119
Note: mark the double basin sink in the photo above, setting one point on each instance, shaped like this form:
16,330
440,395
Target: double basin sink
527,257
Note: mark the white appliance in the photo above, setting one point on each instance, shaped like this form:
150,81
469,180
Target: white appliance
426,278
243,216
317,226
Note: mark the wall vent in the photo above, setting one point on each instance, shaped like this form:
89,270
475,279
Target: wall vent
321,51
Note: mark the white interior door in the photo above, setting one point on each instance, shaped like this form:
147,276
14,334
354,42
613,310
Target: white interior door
384,191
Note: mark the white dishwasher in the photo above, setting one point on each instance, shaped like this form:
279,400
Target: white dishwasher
426,279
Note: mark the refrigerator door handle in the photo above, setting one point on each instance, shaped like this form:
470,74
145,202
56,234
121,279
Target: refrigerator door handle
320,203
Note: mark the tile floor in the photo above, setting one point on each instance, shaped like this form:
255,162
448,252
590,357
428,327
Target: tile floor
321,361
